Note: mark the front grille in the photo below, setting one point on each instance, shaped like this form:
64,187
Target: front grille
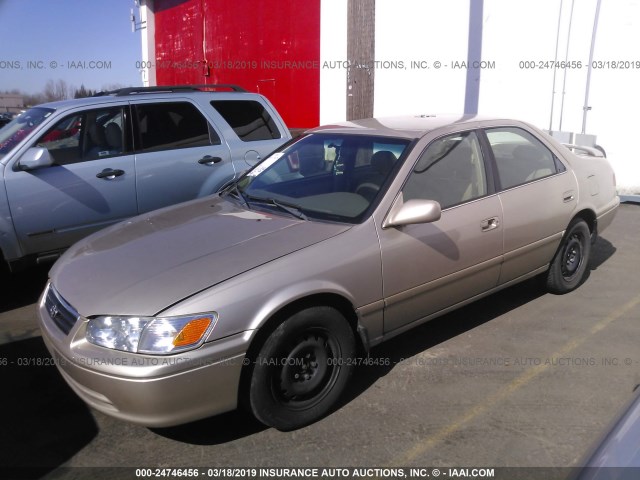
62,314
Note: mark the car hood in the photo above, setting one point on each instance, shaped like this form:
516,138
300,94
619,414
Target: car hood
146,264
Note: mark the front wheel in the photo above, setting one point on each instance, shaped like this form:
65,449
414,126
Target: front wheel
302,368
570,263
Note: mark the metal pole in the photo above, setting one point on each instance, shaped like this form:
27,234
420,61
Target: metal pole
474,55
555,62
566,59
586,107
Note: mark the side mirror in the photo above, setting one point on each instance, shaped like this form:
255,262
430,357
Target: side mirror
411,212
34,158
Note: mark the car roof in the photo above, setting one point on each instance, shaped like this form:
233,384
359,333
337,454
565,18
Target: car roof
410,126
134,94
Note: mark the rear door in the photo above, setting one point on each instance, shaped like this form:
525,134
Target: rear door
253,132
429,267
179,154
90,185
538,196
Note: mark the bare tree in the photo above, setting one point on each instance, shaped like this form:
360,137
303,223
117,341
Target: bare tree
82,92
57,90
31,100
49,92
63,90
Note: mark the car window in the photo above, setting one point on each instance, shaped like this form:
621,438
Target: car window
333,177
167,126
248,118
87,135
520,157
21,126
310,159
450,171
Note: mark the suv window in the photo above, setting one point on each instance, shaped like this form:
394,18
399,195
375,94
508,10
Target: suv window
167,126
520,157
450,171
87,135
249,119
20,127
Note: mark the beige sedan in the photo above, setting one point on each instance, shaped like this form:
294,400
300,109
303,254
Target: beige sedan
268,294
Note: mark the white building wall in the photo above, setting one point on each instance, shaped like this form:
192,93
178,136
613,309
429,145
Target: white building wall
615,93
147,19
333,55
10,102
425,32
514,31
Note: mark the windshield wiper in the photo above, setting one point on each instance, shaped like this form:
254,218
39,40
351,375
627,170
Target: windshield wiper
287,207
233,188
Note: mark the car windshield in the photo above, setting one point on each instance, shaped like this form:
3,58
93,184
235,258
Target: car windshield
13,132
323,176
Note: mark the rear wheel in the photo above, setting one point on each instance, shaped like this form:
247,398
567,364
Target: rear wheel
302,368
570,263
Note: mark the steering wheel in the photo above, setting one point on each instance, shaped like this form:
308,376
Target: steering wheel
367,190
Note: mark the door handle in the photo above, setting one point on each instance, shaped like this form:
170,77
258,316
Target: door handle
209,160
568,196
489,224
110,174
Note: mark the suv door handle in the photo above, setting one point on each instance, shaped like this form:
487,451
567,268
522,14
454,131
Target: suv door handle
110,174
209,160
489,224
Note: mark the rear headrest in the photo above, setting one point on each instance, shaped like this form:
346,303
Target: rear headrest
459,156
311,158
527,153
96,133
113,134
383,161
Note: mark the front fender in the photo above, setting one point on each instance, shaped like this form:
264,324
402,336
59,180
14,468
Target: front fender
294,293
347,264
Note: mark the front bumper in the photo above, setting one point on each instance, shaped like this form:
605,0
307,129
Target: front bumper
150,390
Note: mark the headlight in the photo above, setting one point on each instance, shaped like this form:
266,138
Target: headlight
154,335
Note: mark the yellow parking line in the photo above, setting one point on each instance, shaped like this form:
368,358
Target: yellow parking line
429,442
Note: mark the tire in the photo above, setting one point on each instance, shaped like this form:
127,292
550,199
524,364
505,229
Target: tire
302,369
570,263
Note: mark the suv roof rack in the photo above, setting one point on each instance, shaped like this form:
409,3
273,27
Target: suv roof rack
121,92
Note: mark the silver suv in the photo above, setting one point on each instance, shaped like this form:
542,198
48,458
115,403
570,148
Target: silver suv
70,168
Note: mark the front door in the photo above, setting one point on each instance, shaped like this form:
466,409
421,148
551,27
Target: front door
429,267
90,185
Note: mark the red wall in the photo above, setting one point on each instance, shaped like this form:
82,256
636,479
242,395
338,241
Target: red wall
239,37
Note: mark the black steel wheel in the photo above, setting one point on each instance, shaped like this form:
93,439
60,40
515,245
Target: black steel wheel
570,263
302,368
